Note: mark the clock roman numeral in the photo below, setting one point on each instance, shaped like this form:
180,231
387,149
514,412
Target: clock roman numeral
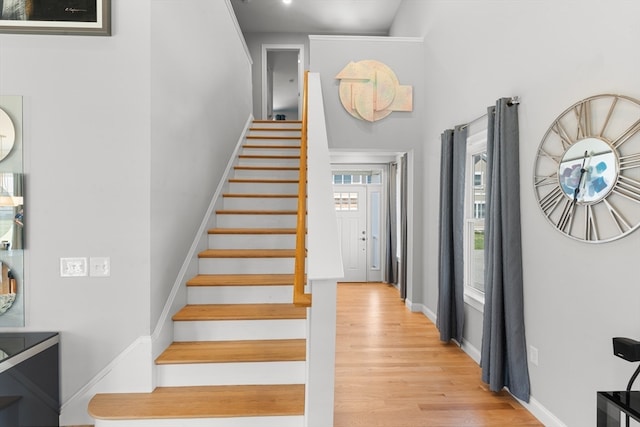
609,114
541,181
549,202
590,231
566,218
564,136
629,162
617,217
628,187
632,130
583,115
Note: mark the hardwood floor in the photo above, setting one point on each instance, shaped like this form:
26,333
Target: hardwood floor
393,371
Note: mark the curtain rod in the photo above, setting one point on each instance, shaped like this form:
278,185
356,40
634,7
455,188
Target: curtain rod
515,100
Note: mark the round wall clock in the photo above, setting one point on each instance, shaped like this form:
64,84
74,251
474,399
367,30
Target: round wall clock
7,134
587,169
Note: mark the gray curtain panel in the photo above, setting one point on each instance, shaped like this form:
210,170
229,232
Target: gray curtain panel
403,225
450,320
504,354
391,270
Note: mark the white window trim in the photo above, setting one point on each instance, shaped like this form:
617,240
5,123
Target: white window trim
476,143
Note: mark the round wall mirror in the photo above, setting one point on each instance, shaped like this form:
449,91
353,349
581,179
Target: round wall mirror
588,170
8,288
7,134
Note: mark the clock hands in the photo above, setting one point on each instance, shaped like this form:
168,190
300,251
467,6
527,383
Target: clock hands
566,218
583,170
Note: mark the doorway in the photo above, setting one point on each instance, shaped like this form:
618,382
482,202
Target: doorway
282,80
359,199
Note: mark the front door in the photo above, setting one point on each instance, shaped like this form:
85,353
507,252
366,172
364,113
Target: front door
351,211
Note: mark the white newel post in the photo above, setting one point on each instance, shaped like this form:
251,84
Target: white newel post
324,267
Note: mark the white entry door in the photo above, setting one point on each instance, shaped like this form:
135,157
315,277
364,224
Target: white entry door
351,211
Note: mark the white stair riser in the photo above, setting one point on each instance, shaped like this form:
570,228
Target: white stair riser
273,162
268,174
231,330
249,373
289,130
266,151
276,128
240,294
268,203
293,421
275,141
250,220
264,187
246,265
252,241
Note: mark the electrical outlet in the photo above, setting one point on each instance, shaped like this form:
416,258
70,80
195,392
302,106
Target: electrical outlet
100,266
73,267
533,355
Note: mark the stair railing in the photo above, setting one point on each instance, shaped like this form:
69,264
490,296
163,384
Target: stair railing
300,298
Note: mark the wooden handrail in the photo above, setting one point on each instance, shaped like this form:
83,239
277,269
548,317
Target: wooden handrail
300,298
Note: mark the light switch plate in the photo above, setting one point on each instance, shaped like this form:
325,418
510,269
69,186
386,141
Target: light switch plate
100,266
73,267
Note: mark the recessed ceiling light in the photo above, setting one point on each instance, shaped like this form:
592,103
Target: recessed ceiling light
286,1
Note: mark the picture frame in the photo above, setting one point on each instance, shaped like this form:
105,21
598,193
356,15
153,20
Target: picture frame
63,17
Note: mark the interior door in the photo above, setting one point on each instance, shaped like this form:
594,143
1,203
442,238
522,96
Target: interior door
351,211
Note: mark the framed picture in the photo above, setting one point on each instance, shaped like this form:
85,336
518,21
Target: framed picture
70,17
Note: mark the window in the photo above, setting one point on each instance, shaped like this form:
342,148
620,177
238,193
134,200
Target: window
346,201
475,207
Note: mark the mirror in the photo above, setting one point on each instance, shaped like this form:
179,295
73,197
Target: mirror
8,288
7,134
11,211
588,170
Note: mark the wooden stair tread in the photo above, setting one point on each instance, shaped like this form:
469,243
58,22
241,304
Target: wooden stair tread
277,121
256,212
247,253
278,147
263,181
267,168
252,231
201,402
234,351
272,137
258,195
200,312
241,280
268,157
275,129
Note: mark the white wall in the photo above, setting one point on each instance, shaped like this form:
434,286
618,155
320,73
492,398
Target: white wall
200,101
551,53
125,140
87,191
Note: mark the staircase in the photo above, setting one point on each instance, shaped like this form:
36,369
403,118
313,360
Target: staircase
239,353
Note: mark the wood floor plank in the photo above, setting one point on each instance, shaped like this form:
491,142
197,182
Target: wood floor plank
234,351
392,370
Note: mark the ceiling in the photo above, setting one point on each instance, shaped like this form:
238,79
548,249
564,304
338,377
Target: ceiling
344,17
